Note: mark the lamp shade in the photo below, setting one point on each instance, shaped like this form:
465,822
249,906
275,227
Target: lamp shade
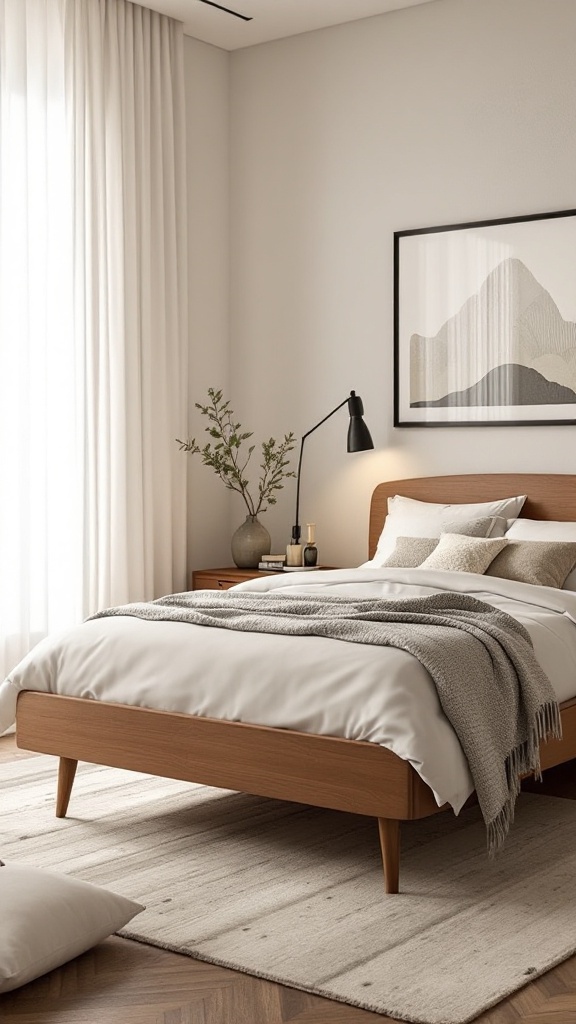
359,439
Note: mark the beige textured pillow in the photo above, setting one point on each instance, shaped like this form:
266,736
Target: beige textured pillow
410,552
456,553
403,524
545,529
543,563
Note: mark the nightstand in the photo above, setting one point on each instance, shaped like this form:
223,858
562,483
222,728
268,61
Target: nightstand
223,579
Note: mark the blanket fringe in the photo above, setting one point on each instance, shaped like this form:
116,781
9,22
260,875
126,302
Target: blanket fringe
523,760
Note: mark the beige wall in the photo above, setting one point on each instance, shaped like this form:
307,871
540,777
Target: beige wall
452,111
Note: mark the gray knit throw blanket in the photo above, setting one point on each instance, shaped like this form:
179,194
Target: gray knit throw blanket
490,685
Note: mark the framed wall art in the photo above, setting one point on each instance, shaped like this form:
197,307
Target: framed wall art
485,323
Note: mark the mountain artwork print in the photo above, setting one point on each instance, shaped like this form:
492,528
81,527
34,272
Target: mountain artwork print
540,346
507,354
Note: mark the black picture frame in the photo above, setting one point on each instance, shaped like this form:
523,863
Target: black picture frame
485,323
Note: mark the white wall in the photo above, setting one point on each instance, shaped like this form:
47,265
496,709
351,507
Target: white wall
453,111
206,80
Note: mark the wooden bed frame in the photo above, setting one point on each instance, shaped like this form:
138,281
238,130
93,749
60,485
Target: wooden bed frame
323,771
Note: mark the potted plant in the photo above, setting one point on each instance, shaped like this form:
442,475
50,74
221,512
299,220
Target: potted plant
226,454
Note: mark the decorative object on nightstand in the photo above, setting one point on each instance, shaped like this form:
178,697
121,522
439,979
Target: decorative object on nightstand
310,553
359,440
270,563
293,554
251,540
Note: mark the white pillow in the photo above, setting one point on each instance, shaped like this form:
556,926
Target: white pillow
47,919
408,517
457,553
545,529
509,508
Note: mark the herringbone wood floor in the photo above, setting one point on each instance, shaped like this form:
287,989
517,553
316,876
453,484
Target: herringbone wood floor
123,982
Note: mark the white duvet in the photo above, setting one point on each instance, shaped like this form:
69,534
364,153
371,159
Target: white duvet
311,684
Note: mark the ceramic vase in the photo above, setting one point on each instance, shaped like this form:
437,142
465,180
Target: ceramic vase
250,541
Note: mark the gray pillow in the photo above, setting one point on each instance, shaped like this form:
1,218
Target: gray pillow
543,563
489,526
409,552
456,553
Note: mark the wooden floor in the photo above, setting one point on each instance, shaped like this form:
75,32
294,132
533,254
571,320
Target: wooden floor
124,982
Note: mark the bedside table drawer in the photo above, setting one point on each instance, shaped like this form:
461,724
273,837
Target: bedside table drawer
223,579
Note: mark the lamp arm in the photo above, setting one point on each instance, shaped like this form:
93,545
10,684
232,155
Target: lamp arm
296,528
312,429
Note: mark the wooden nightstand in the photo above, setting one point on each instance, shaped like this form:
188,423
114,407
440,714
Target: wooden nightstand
223,579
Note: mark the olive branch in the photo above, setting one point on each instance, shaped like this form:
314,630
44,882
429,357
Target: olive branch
229,460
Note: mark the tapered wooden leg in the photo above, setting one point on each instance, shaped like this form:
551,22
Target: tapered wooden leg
66,772
389,830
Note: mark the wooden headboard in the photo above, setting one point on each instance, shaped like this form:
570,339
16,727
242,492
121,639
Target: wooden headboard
550,495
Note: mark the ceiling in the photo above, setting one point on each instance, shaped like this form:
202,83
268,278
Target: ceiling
259,21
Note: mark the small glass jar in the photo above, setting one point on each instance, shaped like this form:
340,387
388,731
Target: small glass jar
310,553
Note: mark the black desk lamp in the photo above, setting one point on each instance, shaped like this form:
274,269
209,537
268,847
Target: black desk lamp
359,440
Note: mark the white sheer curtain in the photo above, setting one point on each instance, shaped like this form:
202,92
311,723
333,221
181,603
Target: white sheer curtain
92,312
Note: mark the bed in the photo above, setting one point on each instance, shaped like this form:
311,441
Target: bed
321,770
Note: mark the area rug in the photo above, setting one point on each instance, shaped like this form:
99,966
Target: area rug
295,895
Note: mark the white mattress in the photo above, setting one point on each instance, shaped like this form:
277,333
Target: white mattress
311,684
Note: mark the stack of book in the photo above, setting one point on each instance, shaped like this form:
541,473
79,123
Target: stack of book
272,563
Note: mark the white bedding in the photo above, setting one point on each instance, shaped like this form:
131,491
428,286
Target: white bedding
311,684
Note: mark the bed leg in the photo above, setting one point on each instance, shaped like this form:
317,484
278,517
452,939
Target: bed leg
66,772
389,831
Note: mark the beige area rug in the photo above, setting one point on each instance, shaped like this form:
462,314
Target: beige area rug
295,895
